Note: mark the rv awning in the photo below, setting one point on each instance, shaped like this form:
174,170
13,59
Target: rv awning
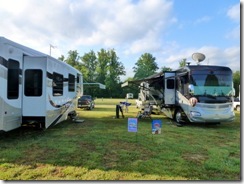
95,85
158,77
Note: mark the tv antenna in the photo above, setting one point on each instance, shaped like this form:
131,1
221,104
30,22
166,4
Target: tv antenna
50,48
198,57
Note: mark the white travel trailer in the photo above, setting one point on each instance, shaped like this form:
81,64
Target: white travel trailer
35,88
194,93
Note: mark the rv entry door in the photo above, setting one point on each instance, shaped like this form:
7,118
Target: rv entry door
169,88
34,96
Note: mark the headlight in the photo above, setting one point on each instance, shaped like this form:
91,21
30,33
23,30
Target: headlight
194,113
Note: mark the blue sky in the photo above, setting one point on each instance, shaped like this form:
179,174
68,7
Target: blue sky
203,22
170,30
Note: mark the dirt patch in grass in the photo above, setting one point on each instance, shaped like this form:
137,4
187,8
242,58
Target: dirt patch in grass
122,145
110,160
120,153
87,146
195,158
35,154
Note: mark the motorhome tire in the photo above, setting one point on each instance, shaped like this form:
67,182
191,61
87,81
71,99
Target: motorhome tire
238,108
178,117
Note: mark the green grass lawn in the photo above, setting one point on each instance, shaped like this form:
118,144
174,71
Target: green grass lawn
101,148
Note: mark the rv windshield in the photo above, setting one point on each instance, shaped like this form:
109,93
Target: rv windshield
212,82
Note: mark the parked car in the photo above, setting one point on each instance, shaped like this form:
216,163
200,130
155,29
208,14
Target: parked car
86,101
237,104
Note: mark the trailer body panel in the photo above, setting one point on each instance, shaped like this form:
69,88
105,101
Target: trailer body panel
35,88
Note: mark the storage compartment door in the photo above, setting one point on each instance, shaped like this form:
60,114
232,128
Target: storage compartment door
34,82
169,88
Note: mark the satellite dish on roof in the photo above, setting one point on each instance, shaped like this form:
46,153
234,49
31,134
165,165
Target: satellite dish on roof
198,57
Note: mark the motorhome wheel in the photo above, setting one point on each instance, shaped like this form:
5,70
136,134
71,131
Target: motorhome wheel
178,117
238,108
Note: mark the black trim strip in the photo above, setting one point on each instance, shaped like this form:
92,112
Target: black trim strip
28,119
49,75
3,62
56,120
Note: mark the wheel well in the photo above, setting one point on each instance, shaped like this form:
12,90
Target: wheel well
176,110
183,117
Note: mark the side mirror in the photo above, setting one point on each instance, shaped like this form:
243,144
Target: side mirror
191,89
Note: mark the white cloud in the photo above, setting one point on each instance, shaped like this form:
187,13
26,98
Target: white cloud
226,57
214,56
234,12
88,22
146,44
131,27
203,20
234,33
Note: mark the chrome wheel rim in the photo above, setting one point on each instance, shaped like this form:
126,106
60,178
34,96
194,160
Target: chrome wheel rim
178,117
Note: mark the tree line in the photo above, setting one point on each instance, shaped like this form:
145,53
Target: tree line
104,67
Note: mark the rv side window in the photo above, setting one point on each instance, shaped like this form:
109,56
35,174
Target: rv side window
78,78
71,82
13,79
58,84
170,84
33,82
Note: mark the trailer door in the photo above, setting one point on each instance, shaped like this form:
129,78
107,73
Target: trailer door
169,88
34,96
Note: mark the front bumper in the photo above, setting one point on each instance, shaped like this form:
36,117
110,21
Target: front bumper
211,113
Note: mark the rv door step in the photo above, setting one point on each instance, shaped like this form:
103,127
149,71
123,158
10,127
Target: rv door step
79,120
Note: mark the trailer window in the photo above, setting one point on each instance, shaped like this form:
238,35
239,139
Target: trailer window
58,84
33,82
78,78
13,79
71,82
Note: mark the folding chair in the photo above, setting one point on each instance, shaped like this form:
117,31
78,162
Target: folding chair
146,112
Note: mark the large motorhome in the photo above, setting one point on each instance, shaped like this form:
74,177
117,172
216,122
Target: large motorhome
35,88
194,93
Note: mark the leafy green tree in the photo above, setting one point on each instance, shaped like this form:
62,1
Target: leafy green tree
61,58
88,69
114,70
102,62
237,82
73,59
89,65
164,69
182,63
103,68
145,66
